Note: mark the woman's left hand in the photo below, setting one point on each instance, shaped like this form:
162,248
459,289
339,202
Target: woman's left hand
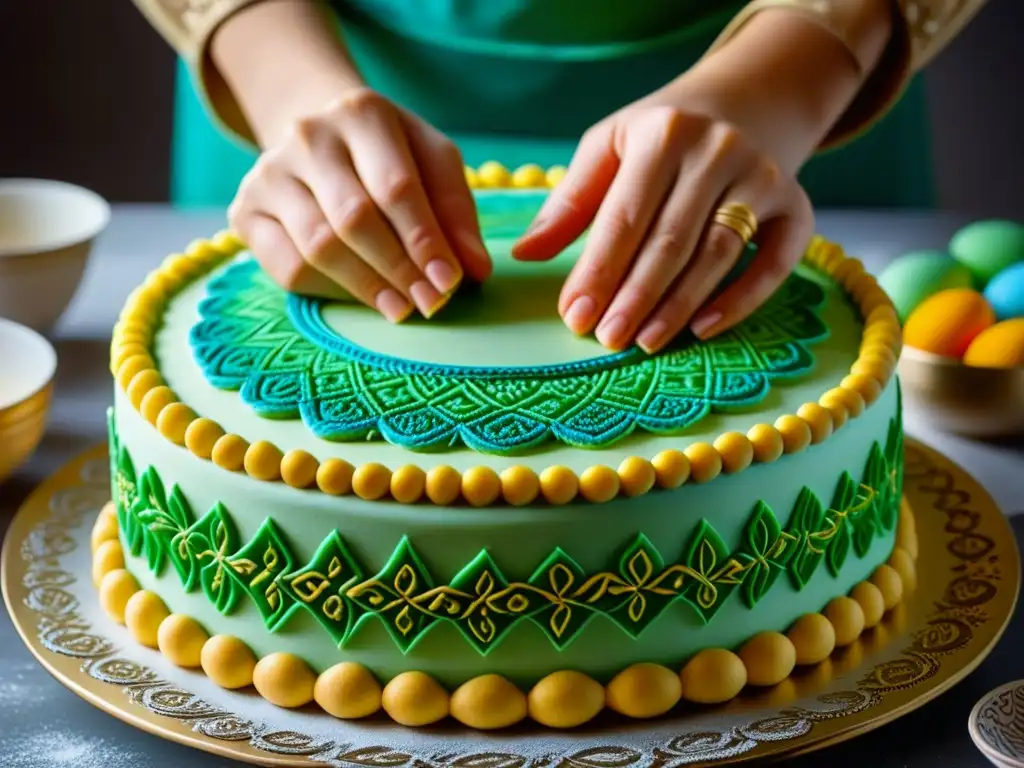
648,180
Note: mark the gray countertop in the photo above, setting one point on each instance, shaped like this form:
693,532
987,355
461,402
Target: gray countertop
45,725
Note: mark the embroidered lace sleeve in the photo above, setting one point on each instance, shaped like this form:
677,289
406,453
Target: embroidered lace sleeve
188,26
921,29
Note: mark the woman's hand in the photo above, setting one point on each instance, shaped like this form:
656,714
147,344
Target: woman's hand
363,199
648,180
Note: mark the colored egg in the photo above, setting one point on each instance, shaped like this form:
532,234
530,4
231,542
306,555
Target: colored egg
988,247
946,323
1001,346
915,276
1005,292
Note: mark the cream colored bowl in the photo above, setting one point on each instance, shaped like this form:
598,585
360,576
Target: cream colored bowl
975,402
47,229
27,366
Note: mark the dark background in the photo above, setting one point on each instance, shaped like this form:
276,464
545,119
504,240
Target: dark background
86,95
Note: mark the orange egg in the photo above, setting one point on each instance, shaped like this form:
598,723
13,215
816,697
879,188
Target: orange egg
1001,346
946,323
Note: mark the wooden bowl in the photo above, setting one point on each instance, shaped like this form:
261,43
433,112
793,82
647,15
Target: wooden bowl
996,725
47,229
26,383
970,401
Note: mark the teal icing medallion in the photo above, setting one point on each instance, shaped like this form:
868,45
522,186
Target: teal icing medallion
638,582
288,362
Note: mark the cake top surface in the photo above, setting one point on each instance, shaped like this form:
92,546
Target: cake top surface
496,371
495,380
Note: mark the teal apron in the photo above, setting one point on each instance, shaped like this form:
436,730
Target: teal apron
518,81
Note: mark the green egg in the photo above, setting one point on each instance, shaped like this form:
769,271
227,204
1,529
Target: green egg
915,276
988,247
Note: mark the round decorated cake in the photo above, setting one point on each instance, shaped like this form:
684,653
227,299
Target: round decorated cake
485,517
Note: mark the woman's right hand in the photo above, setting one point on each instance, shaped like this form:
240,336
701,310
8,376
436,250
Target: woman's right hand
364,200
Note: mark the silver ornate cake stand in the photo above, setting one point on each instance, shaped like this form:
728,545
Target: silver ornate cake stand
968,579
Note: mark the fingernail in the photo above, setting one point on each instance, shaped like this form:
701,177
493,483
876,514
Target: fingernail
393,305
438,305
471,243
537,223
704,324
611,332
652,337
580,315
425,296
443,275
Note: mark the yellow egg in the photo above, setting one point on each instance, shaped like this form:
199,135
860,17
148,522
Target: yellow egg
1000,346
946,323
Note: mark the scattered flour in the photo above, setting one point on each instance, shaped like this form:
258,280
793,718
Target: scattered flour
20,691
53,748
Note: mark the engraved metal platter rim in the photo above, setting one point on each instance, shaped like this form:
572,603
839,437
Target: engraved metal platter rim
906,676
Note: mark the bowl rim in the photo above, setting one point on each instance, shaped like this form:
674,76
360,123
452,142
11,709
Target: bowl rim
51,363
972,724
49,185
923,357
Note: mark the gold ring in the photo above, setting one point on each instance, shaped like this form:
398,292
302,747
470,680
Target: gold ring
739,218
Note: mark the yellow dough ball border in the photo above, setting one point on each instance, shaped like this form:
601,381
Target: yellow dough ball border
136,372
563,699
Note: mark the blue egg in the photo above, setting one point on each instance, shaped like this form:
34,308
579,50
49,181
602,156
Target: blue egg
1005,292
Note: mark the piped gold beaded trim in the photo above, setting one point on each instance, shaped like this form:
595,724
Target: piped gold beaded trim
136,373
563,699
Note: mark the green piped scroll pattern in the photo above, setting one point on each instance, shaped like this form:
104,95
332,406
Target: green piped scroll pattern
258,568
162,526
639,583
201,553
255,338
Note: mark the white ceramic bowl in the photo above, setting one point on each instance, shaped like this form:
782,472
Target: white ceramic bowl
996,725
27,366
47,229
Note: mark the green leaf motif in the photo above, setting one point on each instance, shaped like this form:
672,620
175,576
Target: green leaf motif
806,552
764,544
164,517
872,502
715,572
257,566
558,579
894,463
113,451
183,518
321,587
643,590
125,496
838,548
479,604
155,550
398,596
200,553
837,533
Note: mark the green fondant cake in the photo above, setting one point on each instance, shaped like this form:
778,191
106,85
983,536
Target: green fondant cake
485,494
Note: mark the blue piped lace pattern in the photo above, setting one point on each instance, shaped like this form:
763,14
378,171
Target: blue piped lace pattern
287,363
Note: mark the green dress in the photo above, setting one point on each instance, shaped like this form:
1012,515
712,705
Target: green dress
519,81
